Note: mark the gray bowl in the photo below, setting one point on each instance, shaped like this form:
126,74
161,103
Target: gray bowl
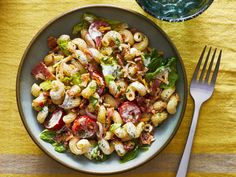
37,49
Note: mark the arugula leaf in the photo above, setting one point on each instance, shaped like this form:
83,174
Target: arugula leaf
130,155
59,147
46,85
47,136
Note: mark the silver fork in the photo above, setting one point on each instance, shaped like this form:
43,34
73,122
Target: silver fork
201,90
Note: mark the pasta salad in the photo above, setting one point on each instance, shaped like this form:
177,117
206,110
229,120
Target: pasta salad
103,91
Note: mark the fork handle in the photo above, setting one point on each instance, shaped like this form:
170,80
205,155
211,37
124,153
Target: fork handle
183,167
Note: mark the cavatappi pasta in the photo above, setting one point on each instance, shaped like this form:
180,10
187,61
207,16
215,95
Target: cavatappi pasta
103,91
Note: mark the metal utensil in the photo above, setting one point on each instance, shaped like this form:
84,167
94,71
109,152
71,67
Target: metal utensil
201,89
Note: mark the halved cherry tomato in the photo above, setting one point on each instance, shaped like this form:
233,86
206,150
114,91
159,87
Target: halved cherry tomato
129,112
55,121
84,127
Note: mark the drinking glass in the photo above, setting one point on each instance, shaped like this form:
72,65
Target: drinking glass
174,10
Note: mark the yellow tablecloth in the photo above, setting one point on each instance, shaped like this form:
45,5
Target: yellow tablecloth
214,148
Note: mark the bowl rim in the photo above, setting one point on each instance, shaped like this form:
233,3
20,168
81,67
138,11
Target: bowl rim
19,105
181,19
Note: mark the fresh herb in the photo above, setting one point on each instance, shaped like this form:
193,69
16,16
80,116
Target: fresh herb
118,87
96,154
130,155
93,101
109,78
66,80
107,60
47,136
63,45
93,88
76,79
114,126
59,147
117,41
46,85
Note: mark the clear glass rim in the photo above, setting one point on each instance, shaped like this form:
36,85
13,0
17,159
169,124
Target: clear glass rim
169,19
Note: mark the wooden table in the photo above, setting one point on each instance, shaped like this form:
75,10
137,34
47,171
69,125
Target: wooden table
214,149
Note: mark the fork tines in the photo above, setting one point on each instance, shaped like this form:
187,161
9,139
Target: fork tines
203,71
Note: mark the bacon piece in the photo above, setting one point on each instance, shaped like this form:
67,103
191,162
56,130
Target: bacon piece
155,85
146,138
52,42
133,30
41,71
129,145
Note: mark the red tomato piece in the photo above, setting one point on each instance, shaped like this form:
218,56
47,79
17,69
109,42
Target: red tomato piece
55,121
84,127
129,112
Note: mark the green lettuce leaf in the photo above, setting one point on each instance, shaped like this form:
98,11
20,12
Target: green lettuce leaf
47,136
130,155
88,18
85,20
153,60
59,147
173,75
170,67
